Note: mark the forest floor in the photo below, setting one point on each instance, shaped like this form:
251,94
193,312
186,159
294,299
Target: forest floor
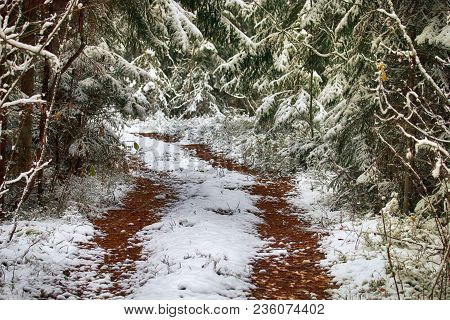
287,264
196,225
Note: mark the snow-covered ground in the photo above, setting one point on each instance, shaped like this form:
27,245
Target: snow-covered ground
35,263
201,248
204,245
356,262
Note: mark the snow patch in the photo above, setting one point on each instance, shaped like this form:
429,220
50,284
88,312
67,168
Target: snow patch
203,246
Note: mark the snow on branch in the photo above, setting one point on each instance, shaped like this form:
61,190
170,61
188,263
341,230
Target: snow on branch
244,39
354,10
241,4
107,56
34,50
31,100
180,20
413,51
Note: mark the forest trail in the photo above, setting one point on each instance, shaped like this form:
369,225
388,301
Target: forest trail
287,263
117,230
295,275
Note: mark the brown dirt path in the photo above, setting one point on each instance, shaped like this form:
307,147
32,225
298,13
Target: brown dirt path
119,227
296,276
117,230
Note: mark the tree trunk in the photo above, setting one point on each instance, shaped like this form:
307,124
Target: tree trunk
42,122
407,178
311,104
3,148
25,141
407,183
56,7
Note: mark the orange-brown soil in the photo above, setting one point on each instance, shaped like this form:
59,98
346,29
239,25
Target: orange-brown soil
117,230
119,227
297,275
160,136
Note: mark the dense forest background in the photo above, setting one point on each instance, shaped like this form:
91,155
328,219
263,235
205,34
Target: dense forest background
359,89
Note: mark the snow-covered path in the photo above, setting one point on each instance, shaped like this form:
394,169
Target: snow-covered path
195,226
231,234
203,247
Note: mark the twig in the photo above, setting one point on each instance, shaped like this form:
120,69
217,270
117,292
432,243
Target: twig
388,250
442,266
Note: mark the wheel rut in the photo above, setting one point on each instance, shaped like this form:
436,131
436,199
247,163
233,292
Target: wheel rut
296,274
116,236
287,267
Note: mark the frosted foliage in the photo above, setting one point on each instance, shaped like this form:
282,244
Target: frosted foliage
291,109
266,106
353,12
435,33
180,20
282,61
236,3
313,15
245,41
285,112
331,92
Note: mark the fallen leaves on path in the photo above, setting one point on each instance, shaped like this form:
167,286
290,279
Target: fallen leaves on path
296,274
117,230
